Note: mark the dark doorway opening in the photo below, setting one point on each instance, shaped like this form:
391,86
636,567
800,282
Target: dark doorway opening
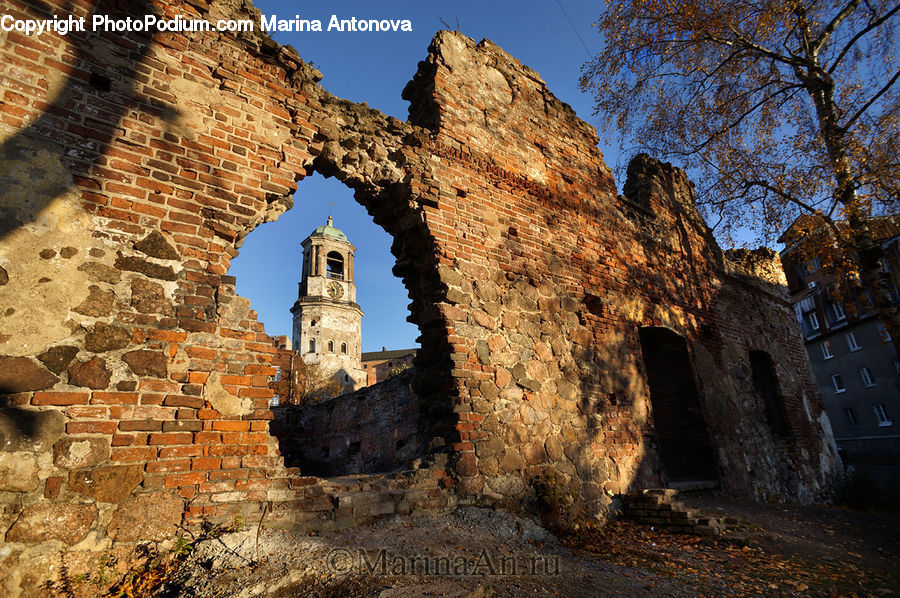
765,382
681,432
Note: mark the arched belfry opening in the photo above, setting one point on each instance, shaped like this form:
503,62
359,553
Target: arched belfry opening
334,265
681,432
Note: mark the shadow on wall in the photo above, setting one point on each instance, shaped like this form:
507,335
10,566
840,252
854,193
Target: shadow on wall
75,146
21,428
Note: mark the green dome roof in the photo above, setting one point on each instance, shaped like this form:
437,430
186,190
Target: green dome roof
330,231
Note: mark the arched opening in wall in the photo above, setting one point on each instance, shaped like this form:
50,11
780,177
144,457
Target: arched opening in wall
681,432
765,383
320,278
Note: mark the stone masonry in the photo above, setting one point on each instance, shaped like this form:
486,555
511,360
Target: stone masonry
135,382
373,430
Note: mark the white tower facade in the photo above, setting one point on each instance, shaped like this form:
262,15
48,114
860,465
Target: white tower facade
327,320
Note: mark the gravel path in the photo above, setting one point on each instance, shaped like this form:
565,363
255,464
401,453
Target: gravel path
474,552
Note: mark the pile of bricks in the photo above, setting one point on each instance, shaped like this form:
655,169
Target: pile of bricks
658,507
350,501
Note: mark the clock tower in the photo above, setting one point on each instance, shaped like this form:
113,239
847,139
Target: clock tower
327,320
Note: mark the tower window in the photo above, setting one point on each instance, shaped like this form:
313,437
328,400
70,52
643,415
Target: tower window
344,348
312,345
334,265
331,346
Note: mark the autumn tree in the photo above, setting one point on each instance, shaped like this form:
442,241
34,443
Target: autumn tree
778,109
312,383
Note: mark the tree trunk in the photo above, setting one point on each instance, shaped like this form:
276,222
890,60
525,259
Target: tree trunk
873,278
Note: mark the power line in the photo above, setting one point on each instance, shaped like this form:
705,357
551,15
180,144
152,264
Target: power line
581,39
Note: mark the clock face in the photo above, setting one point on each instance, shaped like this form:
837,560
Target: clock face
335,290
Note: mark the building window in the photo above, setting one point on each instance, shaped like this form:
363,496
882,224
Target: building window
807,268
277,373
807,304
344,348
837,311
365,367
826,350
838,383
882,416
884,333
331,346
275,401
812,320
867,377
813,265
851,419
852,342
312,345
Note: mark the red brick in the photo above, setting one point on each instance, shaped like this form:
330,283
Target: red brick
183,401
122,439
51,487
114,398
207,437
171,438
167,466
206,463
169,452
231,474
91,427
87,412
133,454
60,398
266,370
263,393
236,380
231,425
200,353
254,438
176,480
169,335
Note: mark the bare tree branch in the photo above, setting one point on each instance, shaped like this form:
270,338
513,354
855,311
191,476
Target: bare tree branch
871,101
829,29
862,33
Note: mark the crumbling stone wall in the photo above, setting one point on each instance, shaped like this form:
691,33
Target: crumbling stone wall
372,430
135,381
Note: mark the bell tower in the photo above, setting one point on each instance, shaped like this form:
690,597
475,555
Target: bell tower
327,320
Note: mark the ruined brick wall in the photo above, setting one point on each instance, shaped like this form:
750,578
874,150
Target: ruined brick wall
372,430
550,276
135,381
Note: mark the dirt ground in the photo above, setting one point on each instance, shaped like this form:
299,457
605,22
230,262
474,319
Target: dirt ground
770,550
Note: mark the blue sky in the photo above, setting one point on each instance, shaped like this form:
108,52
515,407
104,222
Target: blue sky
374,68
